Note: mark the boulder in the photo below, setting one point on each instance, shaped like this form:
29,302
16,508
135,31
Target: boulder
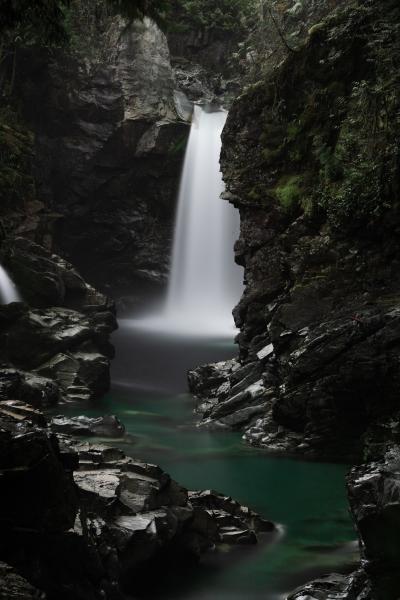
29,387
334,587
108,426
45,279
71,358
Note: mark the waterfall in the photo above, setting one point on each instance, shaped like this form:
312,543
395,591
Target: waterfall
205,283
8,290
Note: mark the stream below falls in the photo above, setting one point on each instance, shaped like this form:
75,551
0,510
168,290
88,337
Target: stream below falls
309,499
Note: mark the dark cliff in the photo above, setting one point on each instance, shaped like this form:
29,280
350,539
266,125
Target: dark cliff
109,142
311,159
315,176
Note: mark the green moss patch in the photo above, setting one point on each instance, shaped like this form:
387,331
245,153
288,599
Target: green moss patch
289,193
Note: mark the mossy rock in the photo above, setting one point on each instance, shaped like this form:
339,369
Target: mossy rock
289,192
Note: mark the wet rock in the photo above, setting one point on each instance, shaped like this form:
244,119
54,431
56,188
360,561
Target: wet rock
183,106
320,389
108,426
15,587
374,494
205,380
236,523
97,519
71,358
334,587
29,387
18,411
45,279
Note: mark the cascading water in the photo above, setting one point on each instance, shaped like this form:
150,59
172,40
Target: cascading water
8,290
205,282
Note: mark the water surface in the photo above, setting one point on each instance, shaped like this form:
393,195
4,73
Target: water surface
307,498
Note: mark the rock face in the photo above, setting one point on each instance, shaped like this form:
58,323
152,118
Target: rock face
319,339
97,521
108,154
71,356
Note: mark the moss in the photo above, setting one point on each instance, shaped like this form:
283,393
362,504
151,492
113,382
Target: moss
203,15
294,129
288,191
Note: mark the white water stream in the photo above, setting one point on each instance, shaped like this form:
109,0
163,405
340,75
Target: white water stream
205,283
8,290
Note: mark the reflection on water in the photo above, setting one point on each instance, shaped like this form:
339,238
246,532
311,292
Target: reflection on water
307,498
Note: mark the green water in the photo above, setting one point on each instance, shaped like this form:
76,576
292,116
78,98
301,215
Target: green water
308,499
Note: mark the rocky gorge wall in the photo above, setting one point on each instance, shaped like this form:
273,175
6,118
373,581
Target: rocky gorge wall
314,176
310,158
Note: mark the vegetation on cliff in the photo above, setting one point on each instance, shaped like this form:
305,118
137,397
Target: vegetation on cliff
339,134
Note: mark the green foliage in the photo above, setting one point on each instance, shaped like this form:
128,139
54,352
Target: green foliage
45,22
81,24
226,15
340,131
289,194
329,160
25,22
359,175
137,9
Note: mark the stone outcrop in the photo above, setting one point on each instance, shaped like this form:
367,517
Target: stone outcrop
108,426
45,279
54,345
54,353
96,520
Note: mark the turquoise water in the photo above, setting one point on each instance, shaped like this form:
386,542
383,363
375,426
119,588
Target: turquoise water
308,499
